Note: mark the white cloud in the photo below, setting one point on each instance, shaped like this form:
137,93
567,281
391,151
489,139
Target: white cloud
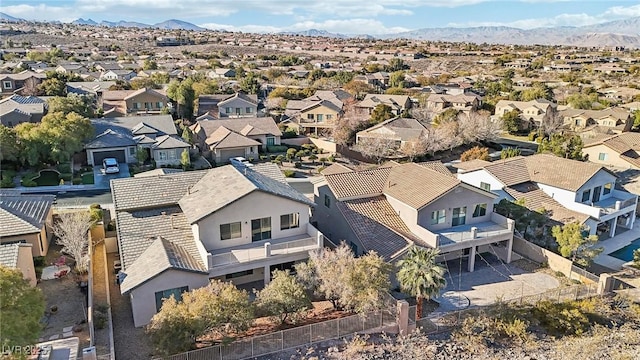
42,12
611,14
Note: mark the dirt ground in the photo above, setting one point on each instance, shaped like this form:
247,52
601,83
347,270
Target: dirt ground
65,294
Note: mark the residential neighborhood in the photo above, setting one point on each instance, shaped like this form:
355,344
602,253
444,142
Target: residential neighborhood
179,192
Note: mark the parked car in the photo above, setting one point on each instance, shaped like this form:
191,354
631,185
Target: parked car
110,166
240,161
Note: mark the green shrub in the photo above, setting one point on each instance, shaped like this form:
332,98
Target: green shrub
29,183
76,181
532,135
331,158
66,176
263,157
272,157
64,168
289,173
279,159
7,182
39,261
276,148
297,164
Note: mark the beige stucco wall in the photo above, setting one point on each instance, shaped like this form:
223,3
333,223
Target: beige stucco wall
456,198
255,205
30,239
143,298
237,104
322,110
330,220
177,156
146,97
25,264
612,159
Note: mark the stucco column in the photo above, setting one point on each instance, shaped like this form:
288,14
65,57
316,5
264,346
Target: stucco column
509,249
633,218
614,223
472,258
402,317
267,275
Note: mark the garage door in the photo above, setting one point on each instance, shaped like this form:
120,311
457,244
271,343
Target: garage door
225,155
98,156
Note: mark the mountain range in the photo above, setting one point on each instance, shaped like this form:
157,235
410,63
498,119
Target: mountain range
614,33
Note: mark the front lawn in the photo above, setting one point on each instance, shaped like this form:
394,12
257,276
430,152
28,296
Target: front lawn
87,178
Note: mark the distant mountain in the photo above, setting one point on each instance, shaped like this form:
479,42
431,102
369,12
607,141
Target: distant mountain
82,21
123,23
316,33
614,33
9,18
174,24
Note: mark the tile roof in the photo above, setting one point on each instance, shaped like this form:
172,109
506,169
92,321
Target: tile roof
403,129
169,142
376,224
270,170
158,257
437,166
152,191
111,138
417,185
261,126
471,165
336,168
157,172
163,123
509,171
223,185
358,184
23,214
560,172
138,228
9,255
536,199
224,138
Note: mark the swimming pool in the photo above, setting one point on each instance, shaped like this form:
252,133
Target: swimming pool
626,253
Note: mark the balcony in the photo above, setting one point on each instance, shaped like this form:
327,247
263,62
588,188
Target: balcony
459,237
262,250
618,202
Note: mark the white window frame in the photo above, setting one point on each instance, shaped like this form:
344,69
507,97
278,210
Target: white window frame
235,231
4,84
438,217
289,221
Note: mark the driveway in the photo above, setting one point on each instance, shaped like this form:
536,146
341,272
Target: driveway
491,280
101,180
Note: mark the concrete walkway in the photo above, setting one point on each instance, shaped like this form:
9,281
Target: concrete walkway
612,244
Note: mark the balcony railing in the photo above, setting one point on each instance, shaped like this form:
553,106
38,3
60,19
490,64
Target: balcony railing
474,232
313,239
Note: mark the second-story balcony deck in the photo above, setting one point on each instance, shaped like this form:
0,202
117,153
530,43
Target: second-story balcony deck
258,252
488,230
620,201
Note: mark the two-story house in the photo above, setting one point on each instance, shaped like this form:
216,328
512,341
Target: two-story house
14,83
119,74
402,131
133,102
392,208
229,138
316,113
532,113
568,190
227,106
615,119
462,102
178,231
122,137
620,150
397,103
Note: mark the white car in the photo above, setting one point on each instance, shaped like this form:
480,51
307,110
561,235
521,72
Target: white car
240,161
110,166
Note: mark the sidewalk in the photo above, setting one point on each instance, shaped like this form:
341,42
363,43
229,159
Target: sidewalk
58,188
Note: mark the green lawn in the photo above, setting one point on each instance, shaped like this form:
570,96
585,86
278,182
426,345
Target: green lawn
87,178
47,178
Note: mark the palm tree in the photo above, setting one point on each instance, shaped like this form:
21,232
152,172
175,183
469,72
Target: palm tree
420,276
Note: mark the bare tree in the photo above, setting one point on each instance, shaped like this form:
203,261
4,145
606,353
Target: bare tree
71,230
30,87
422,114
377,148
552,122
415,147
478,126
348,122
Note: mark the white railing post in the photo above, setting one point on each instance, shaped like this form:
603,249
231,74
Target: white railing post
267,250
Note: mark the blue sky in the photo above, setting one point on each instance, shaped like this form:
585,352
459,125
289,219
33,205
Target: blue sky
343,16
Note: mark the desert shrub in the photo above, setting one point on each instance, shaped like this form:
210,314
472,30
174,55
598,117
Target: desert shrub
289,173
561,318
263,157
331,158
478,331
276,148
532,135
477,152
297,164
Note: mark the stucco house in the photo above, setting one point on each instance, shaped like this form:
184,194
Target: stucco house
18,256
620,150
397,103
118,74
133,102
316,113
462,102
615,119
235,137
395,207
121,137
178,231
14,83
402,131
531,112
226,106
26,219
17,109
569,190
